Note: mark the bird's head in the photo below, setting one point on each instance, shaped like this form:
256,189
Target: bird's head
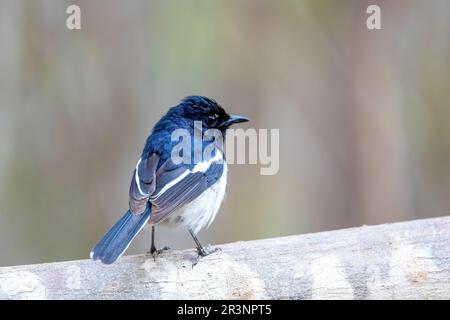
212,115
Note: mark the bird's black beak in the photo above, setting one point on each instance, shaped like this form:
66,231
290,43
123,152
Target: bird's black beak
233,119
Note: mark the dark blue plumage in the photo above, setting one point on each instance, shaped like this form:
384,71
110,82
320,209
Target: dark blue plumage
181,116
119,237
159,187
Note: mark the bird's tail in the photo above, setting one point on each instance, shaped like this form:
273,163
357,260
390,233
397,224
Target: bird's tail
118,238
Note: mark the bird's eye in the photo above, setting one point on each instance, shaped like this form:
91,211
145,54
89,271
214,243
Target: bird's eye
212,120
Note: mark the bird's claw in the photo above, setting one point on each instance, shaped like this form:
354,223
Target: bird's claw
203,252
156,252
207,250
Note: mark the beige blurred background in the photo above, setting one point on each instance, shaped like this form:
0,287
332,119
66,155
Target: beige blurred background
363,115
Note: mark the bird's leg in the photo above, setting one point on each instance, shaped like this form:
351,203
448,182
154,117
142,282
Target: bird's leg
152,247
202,251
153,251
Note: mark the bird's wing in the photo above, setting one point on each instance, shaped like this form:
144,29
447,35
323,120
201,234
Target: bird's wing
143,183
177,185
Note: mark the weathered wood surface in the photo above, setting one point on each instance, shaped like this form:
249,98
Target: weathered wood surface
406,260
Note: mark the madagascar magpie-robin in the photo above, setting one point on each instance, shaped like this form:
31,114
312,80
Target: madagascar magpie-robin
185,193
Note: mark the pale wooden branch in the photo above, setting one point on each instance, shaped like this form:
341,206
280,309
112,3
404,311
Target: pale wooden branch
406,260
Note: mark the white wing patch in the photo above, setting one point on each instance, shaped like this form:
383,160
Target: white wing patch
136,178
199,167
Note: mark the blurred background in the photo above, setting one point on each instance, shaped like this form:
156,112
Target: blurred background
363,115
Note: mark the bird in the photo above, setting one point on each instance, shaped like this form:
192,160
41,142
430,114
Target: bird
180,193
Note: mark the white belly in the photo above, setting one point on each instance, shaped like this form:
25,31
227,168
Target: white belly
201,212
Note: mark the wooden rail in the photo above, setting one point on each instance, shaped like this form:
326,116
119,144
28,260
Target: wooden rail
407,260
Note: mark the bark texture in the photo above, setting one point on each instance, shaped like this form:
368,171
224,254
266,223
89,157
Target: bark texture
408,260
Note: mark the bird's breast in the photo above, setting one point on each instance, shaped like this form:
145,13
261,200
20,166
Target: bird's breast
201,211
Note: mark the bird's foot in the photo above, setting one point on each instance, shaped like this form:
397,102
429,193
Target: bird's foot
156,252
207,250
203,252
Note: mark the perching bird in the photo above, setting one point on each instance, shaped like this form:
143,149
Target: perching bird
187,193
